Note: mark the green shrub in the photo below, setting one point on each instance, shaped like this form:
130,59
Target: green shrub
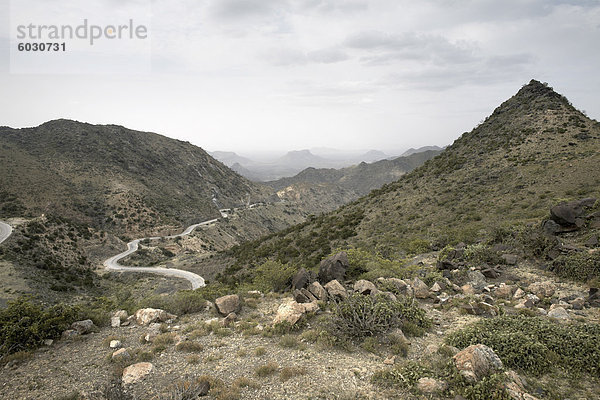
25,324
403,376
180,303
581,266
534,344
272,276
360,316
482,254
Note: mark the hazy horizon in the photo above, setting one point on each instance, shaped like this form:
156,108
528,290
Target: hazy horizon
269,76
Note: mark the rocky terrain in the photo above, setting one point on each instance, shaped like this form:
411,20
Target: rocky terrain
475,276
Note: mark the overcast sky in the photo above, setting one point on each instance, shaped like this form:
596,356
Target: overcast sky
249,75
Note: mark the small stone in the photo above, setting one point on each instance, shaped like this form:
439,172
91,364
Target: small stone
504,291
115,344
542,289
420,288
120,355
122,314
430,385
578,303
69,334
146,316
467,289
115,322
436,288
84,327
519,293
48,342
559,313
136,372
390,360
229,319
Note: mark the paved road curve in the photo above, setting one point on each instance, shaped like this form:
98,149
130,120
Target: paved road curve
5,231
196,280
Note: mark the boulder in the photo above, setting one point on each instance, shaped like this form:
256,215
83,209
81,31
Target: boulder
84,327
318,291
420,288
336,290
430,385
577,303
69,334
568,213
477,361
551,228
491,272
308,295
301,279
228,304
291,311
519,294
136,372
515,387
146,316
364,287
300,297
436,288
334,268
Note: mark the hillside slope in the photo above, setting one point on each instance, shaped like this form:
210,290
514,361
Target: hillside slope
113,178
533,151
361,178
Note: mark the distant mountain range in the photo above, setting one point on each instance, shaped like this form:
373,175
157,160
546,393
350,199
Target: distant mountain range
296,161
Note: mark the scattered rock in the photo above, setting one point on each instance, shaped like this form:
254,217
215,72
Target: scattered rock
430,385
477,280
153,331
291,311
121,355
436,288
559,313
390,360
136,372
542,289
121,314
515,387
228,304
300,297
365,287
145,316
504,291
420,288
301,279
577,303
477,361
115,344
491,272
84,327
468,289
519,294
230,319
568,213
48,342
334,268
318,291
592,241
115,322
69,334
336,290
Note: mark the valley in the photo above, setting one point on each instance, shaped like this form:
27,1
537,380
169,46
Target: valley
469,272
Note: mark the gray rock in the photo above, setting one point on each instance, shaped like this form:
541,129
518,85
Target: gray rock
364,287
477,361
136,372
301,279
318,291
336,290
228,304
550,227
420,288
115,344
69,334
567,213
334,268
115,322
145,316
477,280
430,385
300,297
559,313
84,327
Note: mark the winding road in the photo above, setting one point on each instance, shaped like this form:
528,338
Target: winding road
113,262
5,231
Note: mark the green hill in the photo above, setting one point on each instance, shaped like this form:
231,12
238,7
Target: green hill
113,178
533,151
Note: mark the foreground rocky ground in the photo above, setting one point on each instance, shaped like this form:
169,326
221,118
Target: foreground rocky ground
245,356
